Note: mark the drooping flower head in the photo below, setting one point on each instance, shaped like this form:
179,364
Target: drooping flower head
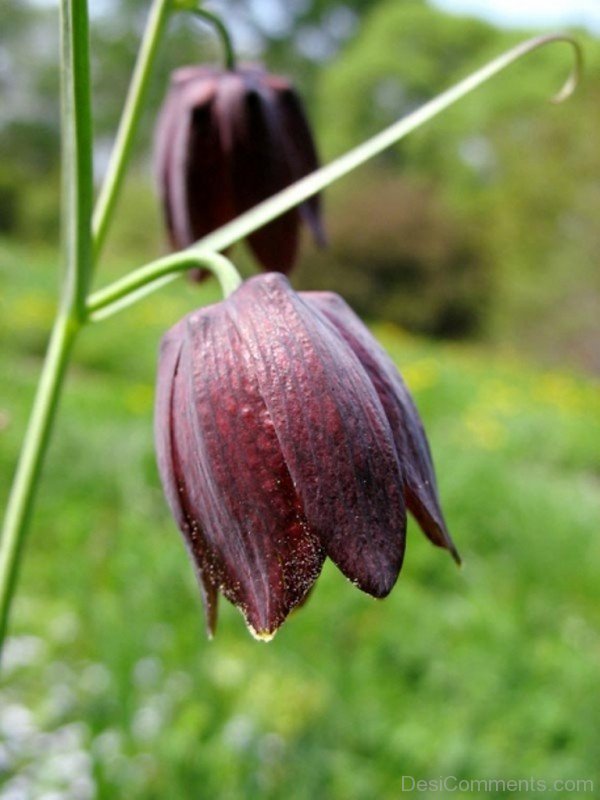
226,140
285,434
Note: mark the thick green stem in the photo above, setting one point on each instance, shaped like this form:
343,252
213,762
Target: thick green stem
30,463
123,292
283,201
76,240
132,111
77,169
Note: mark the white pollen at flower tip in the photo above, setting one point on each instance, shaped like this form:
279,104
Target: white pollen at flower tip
261,636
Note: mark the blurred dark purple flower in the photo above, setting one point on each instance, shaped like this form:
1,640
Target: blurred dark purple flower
284,435
226,140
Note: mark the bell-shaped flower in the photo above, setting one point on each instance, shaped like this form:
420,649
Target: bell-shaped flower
226,140
285,435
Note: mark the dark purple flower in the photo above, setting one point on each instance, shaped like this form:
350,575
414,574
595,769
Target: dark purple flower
284,435
226,140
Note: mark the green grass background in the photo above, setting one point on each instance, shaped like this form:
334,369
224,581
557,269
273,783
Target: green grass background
110,689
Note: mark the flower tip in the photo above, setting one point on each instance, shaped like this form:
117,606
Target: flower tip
262,636
456,556
210,632
315,223
321,238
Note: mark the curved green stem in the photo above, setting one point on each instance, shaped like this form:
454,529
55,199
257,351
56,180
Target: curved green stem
224,35
283,201
76,122
132,111
133,286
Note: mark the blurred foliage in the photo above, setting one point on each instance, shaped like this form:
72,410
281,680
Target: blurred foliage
110,689
521,175
29,180
402,54
398,254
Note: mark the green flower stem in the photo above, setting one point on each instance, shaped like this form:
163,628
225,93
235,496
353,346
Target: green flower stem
223,33
77,172
132,111
33,451
298,192
76,121
123,292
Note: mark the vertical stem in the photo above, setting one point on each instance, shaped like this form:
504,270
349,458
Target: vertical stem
30,462
76,122
157,21
77,171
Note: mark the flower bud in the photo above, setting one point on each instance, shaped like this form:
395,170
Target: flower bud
226,140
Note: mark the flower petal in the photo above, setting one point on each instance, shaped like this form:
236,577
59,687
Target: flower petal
262,551
331,427
184,134
409,435
259,166
201,194
171,471
300,149
165,132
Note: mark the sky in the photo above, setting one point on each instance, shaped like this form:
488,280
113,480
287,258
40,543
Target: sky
530,13
555,14
509,13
